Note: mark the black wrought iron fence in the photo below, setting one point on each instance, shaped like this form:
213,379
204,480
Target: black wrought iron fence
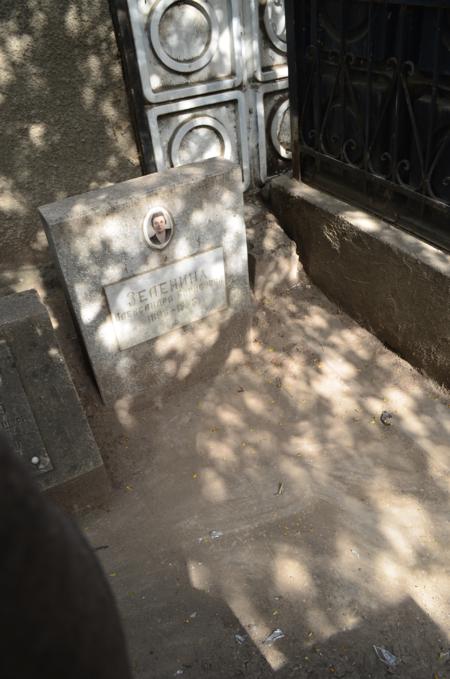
370,106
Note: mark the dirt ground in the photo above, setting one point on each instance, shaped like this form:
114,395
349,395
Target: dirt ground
273,497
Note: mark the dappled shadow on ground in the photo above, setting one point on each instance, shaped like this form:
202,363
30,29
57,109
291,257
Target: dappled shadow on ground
331,525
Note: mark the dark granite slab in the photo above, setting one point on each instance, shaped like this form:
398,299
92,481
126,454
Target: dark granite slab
39,407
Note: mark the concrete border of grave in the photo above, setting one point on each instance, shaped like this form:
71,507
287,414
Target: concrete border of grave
156,312
391,282
39,407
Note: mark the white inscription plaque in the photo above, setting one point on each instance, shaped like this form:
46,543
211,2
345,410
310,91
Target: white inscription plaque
151,304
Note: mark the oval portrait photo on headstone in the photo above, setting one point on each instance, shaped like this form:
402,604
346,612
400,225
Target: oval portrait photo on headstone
158,228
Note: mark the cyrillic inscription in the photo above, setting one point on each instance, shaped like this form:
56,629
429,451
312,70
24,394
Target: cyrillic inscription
151,304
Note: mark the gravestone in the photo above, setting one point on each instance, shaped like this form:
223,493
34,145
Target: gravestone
39,407
156,273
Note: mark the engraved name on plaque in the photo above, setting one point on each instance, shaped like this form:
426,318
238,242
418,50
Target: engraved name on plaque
151,304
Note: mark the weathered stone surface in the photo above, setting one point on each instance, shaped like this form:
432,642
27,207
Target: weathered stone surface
65,54
273,261
392,283
39,407
99,241
168,298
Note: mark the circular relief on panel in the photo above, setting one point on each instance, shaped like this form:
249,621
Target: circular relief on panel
275,23
199,139
184,34
280,131
158,227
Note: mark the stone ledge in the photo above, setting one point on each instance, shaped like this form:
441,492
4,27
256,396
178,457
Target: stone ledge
392,283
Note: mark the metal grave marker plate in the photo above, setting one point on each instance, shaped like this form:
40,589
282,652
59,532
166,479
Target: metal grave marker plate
149,305
16,416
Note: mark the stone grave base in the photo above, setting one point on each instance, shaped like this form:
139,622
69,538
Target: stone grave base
39,408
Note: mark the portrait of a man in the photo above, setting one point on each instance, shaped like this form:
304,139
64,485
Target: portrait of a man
158,228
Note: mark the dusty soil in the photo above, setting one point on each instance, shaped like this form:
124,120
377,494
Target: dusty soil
273,497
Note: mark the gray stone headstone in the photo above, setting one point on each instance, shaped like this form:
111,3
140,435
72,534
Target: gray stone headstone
156,273
39,407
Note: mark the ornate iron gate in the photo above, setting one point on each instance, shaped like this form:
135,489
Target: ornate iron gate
207,77
370,102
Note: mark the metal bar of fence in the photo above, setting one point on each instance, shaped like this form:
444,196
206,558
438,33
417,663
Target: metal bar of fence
136,101
414,3
370,100
294,61
410,193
